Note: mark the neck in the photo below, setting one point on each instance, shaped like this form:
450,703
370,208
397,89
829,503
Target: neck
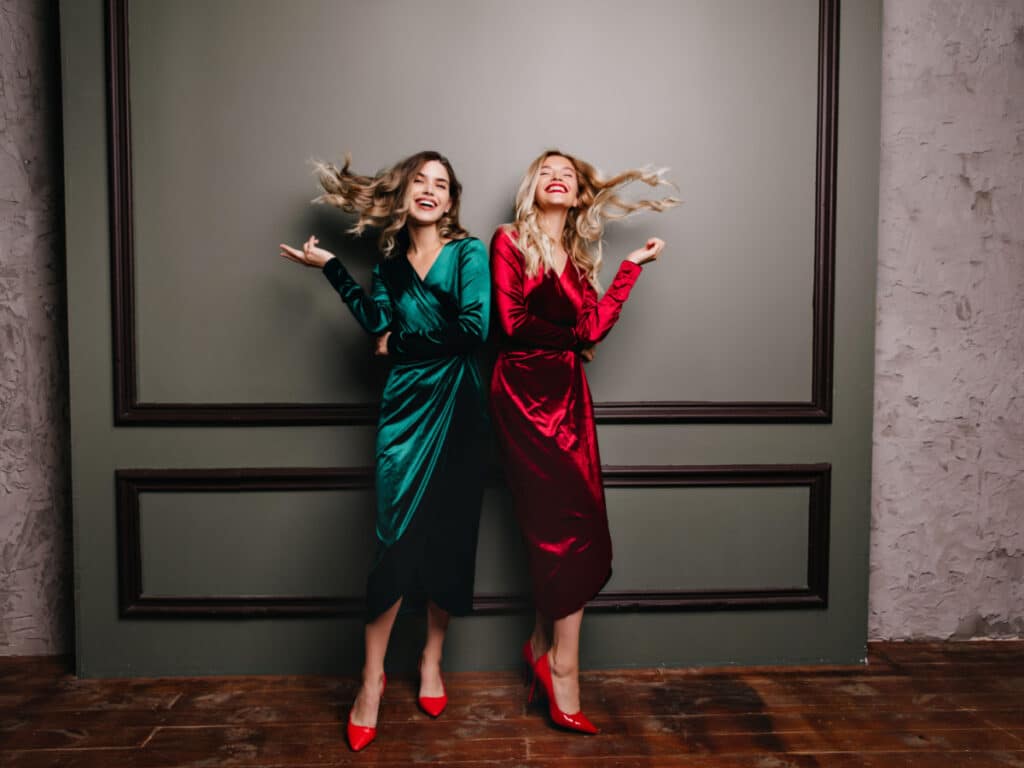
423,238
552,222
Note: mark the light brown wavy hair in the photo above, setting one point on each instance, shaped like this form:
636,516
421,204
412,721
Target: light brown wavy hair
379,201
598,201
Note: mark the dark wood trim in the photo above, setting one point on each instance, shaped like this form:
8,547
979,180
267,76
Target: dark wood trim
825,208
134,602
129,411
122,239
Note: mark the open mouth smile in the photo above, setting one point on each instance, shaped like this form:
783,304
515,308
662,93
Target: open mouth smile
426,203
556,186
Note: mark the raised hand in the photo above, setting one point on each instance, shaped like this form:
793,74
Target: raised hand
311,255
652,249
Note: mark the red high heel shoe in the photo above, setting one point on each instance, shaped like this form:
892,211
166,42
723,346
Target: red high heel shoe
528,655
530,662
574,722
360,736
434,705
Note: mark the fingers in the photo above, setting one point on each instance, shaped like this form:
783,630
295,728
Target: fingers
292,254
381,349
655,246
303,256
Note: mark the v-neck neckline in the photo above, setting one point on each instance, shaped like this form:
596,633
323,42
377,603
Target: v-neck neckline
559,275
433,264
565,268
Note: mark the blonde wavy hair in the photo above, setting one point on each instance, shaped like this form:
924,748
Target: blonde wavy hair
379,201
598,201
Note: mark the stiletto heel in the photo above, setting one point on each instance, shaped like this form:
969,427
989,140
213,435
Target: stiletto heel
574,722
360,736
529,673
528,655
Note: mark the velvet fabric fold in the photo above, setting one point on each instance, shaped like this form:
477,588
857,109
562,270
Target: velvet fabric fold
544,420
431,433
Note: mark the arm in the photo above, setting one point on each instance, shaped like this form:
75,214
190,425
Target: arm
469,328
516,320
373,312
599,315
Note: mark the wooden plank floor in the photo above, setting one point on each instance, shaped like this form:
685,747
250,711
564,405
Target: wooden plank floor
948,705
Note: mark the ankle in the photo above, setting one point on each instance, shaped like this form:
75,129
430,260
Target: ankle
373,679
430,662
562,668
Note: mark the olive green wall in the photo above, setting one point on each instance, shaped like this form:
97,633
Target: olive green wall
229,101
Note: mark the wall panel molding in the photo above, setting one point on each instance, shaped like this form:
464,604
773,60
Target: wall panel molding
129,410
135,602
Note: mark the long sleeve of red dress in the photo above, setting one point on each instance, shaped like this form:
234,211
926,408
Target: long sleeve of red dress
522,325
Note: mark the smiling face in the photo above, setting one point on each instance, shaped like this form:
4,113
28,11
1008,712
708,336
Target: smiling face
428,195
557,183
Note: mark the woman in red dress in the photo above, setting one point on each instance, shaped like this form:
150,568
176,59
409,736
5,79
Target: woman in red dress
544,269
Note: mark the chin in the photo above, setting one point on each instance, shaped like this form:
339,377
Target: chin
426,220
552,204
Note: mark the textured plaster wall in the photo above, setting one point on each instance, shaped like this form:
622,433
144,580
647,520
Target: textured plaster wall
34,516
947,554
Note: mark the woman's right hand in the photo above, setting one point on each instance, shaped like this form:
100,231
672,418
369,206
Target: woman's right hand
652,249
310,255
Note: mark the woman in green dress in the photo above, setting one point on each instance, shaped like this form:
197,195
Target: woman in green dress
428,307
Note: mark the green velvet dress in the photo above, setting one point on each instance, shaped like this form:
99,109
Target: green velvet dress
431,434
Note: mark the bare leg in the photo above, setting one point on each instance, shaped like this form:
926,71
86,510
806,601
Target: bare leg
565,662
540,638
378,632
430,661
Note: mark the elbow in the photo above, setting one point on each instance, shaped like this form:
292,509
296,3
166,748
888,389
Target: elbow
509,326
590,334
377,328
475,334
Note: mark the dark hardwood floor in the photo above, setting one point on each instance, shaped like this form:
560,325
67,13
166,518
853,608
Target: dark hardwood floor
935,705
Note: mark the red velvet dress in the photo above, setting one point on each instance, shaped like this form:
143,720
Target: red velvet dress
544,421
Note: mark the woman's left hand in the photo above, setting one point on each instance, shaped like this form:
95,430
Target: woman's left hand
382,345
652,250
588,353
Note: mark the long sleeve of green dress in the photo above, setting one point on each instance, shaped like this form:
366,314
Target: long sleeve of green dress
373,312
